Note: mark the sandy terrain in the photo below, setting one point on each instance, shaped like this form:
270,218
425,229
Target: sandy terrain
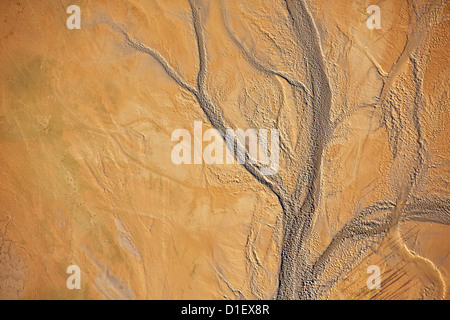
86,118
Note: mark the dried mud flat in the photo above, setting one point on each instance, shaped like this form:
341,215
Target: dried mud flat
86,118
